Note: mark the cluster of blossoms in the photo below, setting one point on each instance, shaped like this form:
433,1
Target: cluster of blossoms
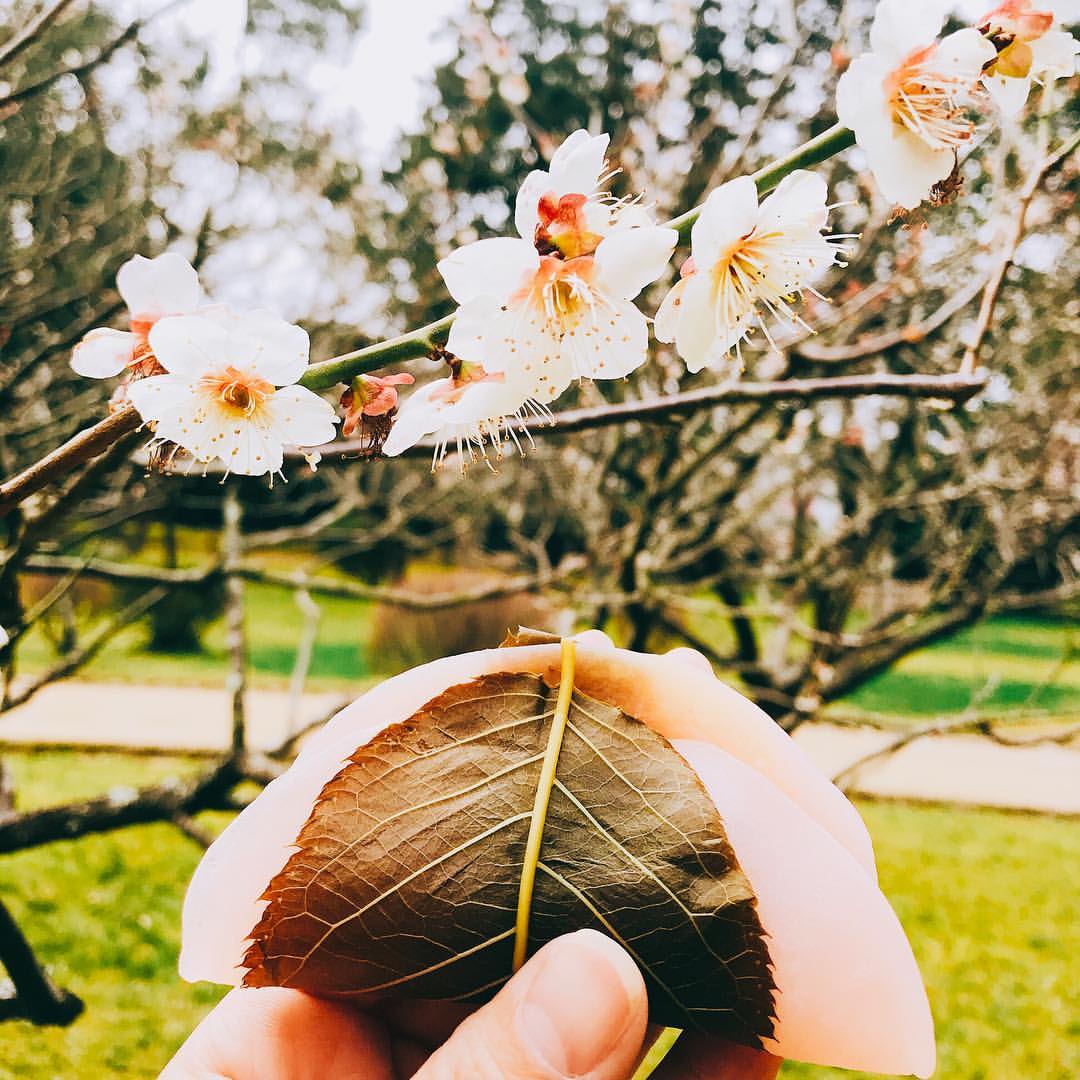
218,383
555,304
909,99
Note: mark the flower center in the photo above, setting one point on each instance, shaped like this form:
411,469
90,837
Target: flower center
1011,29
564,227
561,289
930,102
240,392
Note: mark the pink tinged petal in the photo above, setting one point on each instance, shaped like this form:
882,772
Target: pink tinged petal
151,288
103,353
1054,54
577,165
902,26
629,259
494,268
430,412
729,213
849,993
610,344
1008,94
964,52
190,345
666,323
799,199
300,417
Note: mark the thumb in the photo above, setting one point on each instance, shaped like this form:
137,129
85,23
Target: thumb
577,1009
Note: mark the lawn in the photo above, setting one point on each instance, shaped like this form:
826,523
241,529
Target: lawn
1020,657
991,902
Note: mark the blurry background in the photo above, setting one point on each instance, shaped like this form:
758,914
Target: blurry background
883,576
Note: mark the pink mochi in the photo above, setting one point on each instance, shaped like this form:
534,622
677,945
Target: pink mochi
849,993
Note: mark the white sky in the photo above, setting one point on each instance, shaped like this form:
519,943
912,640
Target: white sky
382,84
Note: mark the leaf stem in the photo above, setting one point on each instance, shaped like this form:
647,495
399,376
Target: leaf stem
656,1053
540,804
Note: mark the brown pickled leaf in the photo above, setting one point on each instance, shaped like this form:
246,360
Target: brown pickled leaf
406,877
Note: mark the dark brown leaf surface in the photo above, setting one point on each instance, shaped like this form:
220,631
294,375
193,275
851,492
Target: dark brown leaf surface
406,878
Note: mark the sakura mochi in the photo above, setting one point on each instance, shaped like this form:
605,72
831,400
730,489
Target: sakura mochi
456,817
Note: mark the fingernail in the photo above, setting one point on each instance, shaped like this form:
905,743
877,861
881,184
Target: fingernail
579,1003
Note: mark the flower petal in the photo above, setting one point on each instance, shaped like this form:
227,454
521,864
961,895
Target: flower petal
103,353
1008,94
526,208
472,322
578,164
190,345
160,397
417,417
300,417
799,199
902,26
611,344
696,329
666,322
257,341
861,101
263,342
151,288
905,168
629,259
1054,54
965,53
497,267
730,212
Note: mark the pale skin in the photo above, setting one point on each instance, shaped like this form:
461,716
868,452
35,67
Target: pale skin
577,1009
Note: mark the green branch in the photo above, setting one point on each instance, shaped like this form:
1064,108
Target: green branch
408,346
818,149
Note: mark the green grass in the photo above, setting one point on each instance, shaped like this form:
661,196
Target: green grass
274,628
1021,658
1019,654
991,902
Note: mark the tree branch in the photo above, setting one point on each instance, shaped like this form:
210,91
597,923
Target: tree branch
956,388
76,451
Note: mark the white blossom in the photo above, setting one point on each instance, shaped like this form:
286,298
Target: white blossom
555,304
1030,46
748,260
471,414
152,289
228,390
907,99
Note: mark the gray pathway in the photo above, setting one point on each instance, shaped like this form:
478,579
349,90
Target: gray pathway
957,768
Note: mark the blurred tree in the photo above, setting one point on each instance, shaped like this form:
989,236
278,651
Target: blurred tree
837,537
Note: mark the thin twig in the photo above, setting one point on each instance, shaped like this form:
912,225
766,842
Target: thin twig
30,32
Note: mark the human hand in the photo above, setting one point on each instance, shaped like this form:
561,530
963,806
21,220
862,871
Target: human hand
576,1009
